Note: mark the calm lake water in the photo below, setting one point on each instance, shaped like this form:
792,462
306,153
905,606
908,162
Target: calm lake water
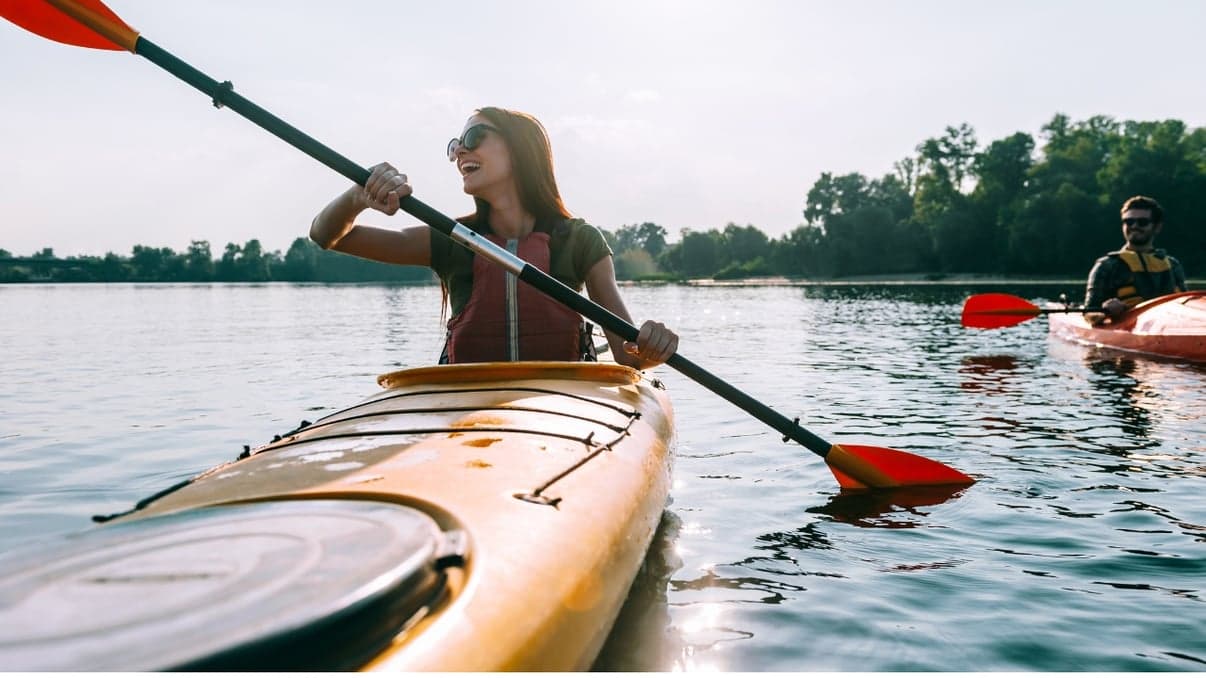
1081,548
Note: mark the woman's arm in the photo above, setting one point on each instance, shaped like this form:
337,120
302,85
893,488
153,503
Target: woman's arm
655,343
335,228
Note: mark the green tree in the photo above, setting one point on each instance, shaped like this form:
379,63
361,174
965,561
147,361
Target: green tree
940,207
652,238
646,236
863,226
1001,170
252,264
695,255
154,264
114,268
743,244
1163,160
1058,227
800,253
228,265
301,261
198,262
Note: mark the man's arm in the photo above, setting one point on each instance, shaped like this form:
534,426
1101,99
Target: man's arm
1100,284
1100,290
1178,272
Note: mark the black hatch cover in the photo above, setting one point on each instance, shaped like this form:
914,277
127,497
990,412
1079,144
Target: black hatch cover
315,585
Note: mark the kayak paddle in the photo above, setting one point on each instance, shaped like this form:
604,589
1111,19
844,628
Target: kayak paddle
992,310
88,23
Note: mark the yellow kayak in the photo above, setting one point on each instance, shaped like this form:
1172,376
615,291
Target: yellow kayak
478,517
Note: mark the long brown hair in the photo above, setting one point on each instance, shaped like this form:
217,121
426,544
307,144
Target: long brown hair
531,163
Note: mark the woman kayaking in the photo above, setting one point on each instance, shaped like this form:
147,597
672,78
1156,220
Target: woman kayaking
506,164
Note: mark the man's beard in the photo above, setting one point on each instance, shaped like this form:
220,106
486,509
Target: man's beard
1140,239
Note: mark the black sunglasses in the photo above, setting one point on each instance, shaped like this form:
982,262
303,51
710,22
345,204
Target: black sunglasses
471,139
1141,222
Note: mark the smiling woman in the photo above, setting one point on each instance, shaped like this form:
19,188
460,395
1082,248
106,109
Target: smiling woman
505,162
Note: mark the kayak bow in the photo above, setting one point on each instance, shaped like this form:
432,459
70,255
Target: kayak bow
477,517
1172,326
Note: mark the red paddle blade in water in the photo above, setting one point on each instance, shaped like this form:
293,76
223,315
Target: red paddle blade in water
82,23
859,467
993,310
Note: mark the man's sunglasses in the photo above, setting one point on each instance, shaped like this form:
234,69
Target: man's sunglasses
471,139
1141,222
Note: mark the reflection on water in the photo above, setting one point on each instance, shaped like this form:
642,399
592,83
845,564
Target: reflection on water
644,635
994,374
899,508
1081,548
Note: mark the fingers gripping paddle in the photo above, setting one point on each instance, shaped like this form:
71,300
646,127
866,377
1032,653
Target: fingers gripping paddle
854,466
992,310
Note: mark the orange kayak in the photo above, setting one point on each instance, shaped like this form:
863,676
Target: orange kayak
1172,326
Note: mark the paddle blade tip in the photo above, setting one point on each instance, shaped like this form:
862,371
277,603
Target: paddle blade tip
858,467
995,310
44,18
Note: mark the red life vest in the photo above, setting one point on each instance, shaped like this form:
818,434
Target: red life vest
508,320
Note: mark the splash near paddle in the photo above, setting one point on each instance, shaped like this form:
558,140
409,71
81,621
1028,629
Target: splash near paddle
855,466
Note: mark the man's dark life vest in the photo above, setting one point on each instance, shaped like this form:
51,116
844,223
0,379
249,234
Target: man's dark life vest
1151,276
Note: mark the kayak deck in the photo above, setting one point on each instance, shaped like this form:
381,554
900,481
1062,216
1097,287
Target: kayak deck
1173,326
545,481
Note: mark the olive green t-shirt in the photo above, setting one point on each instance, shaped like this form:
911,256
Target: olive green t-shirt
574,247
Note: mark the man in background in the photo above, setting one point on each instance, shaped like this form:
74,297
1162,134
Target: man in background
1138,271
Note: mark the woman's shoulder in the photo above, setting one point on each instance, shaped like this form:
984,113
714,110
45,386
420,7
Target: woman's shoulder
578,224
580,231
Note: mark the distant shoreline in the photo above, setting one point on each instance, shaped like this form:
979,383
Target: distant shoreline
910,279
918,279
764,281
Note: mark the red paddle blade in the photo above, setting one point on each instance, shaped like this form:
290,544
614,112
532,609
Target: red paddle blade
993,310
863,466
83,23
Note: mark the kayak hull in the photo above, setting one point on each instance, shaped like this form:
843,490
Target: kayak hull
1173,326
552,476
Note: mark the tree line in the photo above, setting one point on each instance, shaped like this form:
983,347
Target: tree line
1012,207
1015,206
303,262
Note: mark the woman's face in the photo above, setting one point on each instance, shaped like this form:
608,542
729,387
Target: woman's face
486,166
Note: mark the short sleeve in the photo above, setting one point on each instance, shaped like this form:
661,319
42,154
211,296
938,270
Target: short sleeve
576,248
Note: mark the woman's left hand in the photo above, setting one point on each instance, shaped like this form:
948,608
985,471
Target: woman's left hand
654,345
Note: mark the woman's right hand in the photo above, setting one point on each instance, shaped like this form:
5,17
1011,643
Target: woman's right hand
385,187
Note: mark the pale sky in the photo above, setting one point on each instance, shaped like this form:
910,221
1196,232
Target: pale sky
690,114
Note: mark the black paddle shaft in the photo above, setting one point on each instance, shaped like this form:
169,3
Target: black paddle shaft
223,94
